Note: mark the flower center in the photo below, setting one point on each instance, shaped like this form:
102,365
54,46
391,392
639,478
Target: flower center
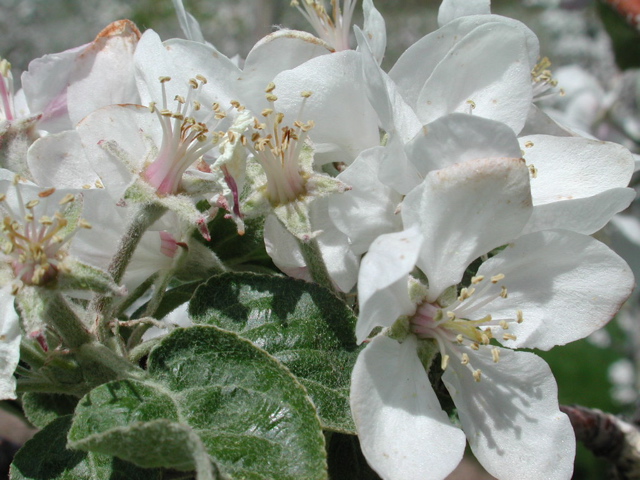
334,31
35,247
6,91
277,149
454,334
184,139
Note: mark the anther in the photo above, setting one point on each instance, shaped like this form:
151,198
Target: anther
474,346
306,94
164,79
503,292
509,336
495,353
465,359
477,375
459,338
46,193
519,317
478,279
497,278
67,199
445,362
504,324
270,87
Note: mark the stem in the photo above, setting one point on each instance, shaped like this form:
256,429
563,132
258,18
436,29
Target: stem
143,218
64,321
315,263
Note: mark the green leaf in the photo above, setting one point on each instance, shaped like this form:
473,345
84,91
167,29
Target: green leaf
303,325
211,393
43,408
46,457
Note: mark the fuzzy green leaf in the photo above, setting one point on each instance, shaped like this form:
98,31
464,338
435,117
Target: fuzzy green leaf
212,395
303,325
45,456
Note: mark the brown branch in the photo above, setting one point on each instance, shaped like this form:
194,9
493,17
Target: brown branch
608,436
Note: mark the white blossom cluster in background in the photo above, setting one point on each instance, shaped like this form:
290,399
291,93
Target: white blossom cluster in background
439,193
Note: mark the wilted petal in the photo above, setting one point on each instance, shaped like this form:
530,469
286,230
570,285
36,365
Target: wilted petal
404,433
511,416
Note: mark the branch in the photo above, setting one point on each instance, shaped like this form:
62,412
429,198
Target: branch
608,436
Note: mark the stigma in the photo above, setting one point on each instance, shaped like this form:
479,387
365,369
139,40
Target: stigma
277,147
33,244
458,337
184,139
333,29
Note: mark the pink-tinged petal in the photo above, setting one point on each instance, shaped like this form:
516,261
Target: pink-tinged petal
45,88
382,280
344,120
574,167
464,211
453,9
419,61
581,215
487,72
404,433
511,416
460,137
58,160
372,204
103,73
565,284
9,344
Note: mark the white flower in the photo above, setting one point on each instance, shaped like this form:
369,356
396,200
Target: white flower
544,289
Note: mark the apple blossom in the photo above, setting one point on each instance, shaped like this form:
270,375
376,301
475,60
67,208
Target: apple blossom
506,401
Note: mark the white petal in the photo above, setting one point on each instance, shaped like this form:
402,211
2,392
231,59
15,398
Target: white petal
457,138
338,105
277,52
511,416
9,344
182,60
496,78
135,135
375,29
418,62
581,215
464,211
382,281
58,160
570,168
189,25
369,208
395,115
404,434
452,9
567,286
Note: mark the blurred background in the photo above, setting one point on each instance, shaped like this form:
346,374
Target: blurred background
593,48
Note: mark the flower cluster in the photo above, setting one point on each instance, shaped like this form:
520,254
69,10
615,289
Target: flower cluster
437,193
